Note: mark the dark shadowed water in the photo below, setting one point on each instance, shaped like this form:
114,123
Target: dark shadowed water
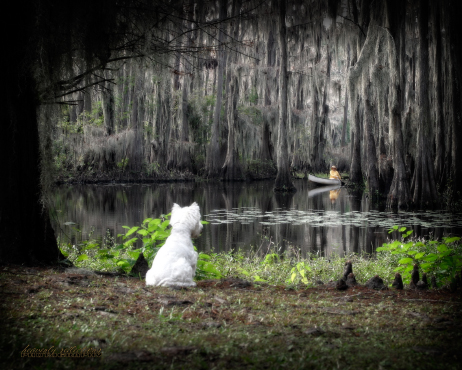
244,215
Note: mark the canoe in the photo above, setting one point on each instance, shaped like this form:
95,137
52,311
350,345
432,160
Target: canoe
322,189
321,181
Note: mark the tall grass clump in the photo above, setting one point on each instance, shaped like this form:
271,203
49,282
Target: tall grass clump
291,269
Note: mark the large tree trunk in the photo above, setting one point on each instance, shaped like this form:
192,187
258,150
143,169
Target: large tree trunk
372,174
265,148
107,97
136,156
283,180
320,163
399,195
345,108
355,166
26,235
440,123
315,124
213,162
424,180
231,169
454,13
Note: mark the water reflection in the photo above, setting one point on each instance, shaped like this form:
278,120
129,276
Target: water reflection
244,215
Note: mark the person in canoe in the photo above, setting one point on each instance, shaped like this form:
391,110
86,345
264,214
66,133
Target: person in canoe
334,173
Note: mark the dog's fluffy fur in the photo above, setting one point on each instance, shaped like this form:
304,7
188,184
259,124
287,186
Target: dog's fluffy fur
175,263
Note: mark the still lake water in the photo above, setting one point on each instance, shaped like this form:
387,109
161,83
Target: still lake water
244,215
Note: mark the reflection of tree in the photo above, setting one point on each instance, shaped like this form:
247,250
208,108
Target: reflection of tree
342,211
355,203
284,201
231,195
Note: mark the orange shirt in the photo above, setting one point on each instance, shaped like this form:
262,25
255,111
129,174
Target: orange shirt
334,175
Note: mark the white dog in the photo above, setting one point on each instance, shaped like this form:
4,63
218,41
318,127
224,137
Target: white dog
175,262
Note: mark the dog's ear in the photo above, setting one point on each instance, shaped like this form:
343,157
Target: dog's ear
195,207
175,208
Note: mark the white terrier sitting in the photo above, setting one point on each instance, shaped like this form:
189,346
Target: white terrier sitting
175,263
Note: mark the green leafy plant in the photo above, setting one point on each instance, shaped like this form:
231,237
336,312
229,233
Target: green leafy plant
205,268
440,258
153,232
299,273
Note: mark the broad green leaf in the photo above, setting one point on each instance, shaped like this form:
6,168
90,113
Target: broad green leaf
294,275
404,261
431,257
130,242
411,253
161,235
208,268
449,261
132,230
204,256
82,257
408,268
444,266
418,256
380,249
442,248
406,246
204,222
123,264
395,244
164,224
126,227
426,266
402,229
152,228
155,222
258,278
134,254
451,240
399,268
142,232
147,220
245,272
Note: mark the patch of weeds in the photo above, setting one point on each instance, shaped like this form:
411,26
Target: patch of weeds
442,259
